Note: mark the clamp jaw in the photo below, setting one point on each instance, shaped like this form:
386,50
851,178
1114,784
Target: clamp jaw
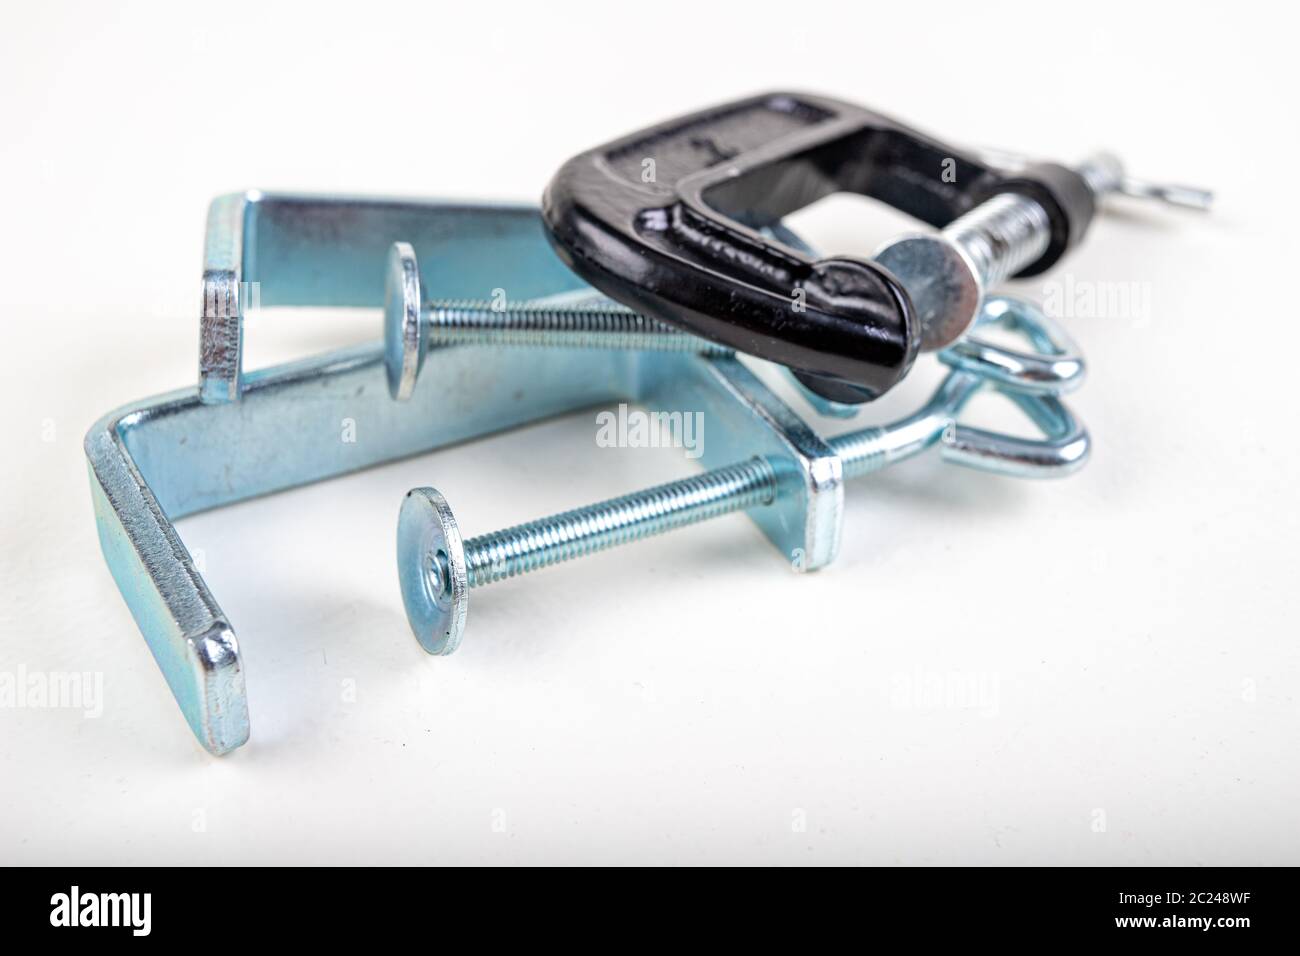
668,220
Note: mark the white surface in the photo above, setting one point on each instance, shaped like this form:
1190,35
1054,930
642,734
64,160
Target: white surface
687,699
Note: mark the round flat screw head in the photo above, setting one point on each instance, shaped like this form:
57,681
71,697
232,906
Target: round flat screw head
941,282
404,331
431,570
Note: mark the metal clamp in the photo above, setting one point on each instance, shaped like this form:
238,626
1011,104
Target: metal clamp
667,219
241,435
160,459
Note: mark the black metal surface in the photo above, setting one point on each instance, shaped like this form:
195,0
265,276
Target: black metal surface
667,221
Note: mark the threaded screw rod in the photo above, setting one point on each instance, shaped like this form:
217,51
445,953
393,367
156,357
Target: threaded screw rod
411,328
676,504
437,568
585,326
871,449
642,514
1001,236
947,274
1009,231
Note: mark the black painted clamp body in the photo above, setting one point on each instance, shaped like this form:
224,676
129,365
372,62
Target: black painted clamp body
669,221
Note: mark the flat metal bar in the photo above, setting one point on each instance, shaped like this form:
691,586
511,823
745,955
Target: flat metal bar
270,249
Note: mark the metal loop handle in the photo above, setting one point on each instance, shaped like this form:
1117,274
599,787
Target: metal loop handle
1054,367
1032,380
1062,451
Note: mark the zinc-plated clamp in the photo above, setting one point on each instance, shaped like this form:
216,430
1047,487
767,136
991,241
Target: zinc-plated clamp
238,436
242,435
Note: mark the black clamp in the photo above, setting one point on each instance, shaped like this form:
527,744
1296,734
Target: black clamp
670,220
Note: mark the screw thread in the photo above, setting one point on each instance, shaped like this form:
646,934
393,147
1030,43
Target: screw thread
870,449
861,451
1002,235
537,544
597,326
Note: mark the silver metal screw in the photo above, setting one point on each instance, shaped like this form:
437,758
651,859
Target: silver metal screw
411,327
946,274
437,568
1105,174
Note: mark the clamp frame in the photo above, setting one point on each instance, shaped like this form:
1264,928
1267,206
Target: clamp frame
669,220
163,458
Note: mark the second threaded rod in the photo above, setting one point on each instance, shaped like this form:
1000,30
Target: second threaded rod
437,568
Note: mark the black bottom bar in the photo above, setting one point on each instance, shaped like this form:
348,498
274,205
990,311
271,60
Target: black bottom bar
1178,906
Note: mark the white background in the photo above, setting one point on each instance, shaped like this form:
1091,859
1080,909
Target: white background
687,699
